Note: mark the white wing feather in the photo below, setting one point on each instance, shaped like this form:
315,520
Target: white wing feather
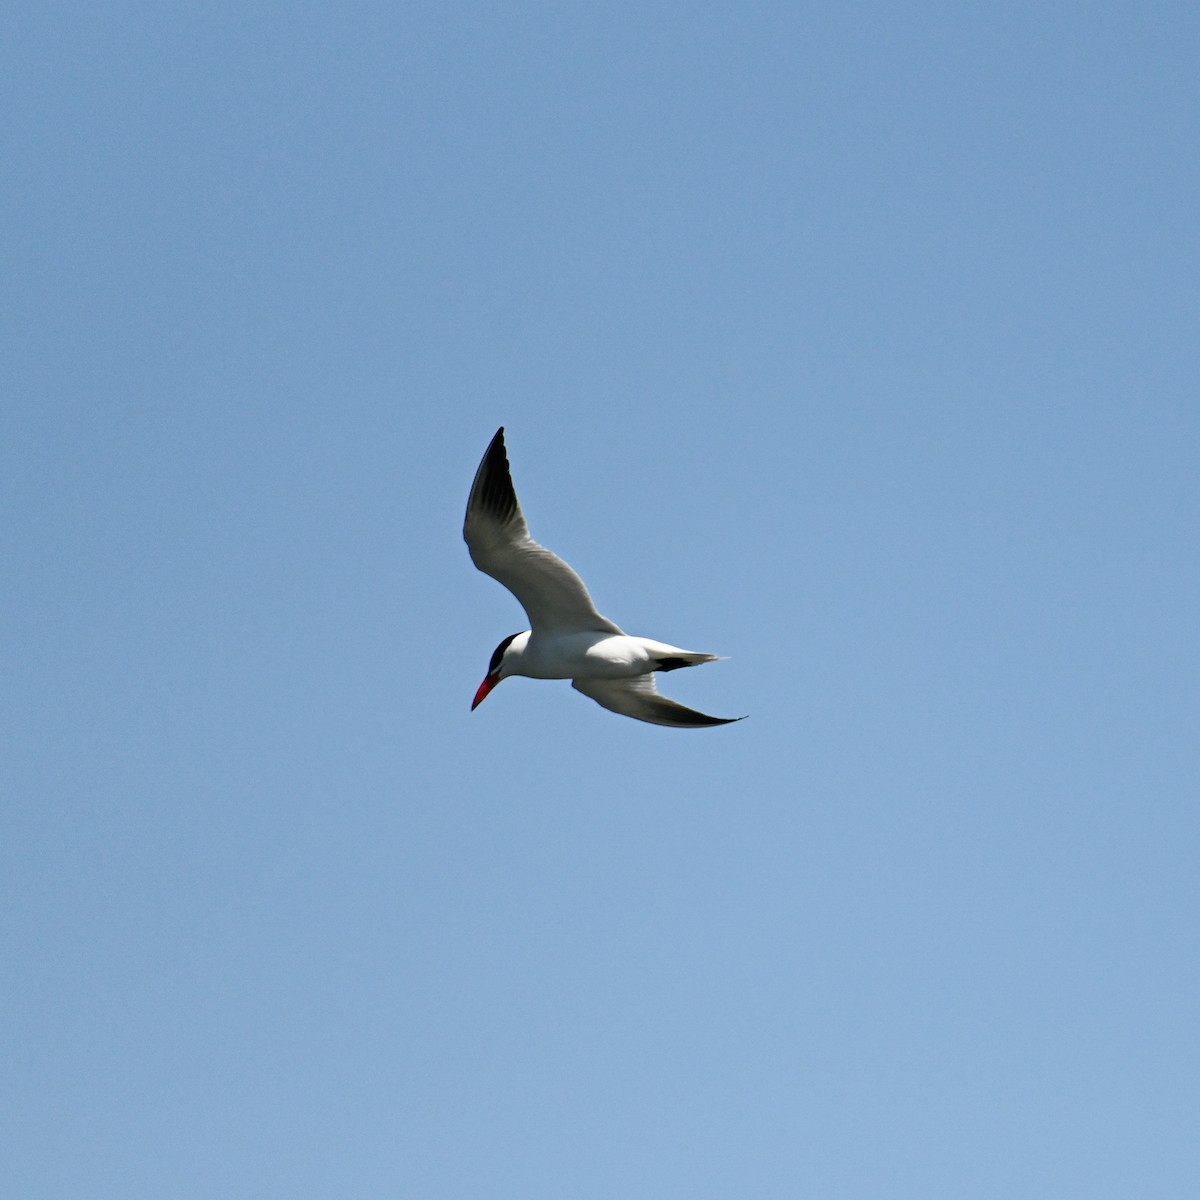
552,595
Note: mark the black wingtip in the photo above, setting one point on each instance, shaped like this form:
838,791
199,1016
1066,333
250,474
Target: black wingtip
493,490
699,720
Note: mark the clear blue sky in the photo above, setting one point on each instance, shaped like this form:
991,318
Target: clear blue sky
856,342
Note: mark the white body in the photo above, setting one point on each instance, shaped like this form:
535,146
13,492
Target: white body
589,655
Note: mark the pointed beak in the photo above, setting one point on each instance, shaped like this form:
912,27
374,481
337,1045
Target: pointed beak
486,686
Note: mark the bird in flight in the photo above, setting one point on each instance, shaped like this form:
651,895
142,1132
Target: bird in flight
568,638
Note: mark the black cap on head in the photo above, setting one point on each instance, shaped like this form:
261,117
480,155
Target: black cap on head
494,665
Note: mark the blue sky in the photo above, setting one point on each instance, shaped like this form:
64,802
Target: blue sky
857,343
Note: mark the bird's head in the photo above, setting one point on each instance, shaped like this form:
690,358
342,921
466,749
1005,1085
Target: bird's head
504,660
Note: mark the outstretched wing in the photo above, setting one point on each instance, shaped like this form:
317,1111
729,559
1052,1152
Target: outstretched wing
552,595
639,698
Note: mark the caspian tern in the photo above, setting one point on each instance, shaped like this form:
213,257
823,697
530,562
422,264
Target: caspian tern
569,639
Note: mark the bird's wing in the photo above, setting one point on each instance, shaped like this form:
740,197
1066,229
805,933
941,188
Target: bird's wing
551,594
639,698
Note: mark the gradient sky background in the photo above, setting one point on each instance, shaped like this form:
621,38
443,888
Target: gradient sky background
857,342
